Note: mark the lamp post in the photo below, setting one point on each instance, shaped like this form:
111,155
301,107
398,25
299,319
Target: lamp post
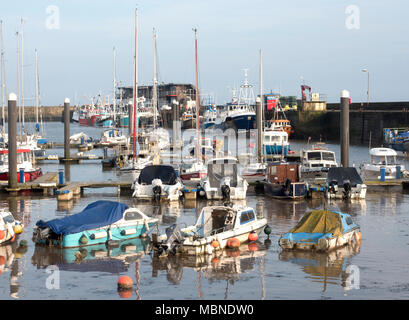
367,92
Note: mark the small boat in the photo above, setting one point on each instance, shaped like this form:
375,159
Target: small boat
316,161
192,173
9,227
381,158
283,181
254,172
223,180
157,182
100,222
215,223
113,137
188,120
79,139
321,230
345,183
275,142
25,160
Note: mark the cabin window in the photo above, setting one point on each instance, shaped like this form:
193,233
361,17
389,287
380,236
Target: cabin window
133,216
348,220
314,155
246,216
8,219
267,138
328,156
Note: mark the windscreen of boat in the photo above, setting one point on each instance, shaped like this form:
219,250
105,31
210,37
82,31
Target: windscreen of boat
340,174
316,155
218,171
384,160
328,156
165,173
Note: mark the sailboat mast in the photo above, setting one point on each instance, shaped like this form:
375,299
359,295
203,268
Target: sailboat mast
261,86
114,85
198,152
18,79
135,89
22,73
3,85
37,93
155,83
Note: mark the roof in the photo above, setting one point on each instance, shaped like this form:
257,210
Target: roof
382,152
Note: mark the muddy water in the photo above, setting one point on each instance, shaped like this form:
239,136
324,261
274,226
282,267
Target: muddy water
377,269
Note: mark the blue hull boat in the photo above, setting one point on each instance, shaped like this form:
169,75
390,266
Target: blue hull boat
321,230
100,222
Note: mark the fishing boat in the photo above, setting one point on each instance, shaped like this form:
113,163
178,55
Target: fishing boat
188,120
316,161
9,227
275,142
345,183
223,180
321,230
381,158
113,137
209,116
100,222
157,182
25,160
283,181
215,223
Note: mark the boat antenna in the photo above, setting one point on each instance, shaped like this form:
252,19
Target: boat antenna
3,85
198,151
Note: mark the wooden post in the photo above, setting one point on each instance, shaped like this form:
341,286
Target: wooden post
12,144
67,129
344,139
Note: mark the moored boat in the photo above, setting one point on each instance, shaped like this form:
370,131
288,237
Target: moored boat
321,230
100,222
9,227
215,223
25,160
345,183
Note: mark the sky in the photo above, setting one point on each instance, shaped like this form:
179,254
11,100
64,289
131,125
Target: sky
324,44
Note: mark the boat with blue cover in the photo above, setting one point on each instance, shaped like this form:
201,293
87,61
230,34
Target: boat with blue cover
100,222
321,230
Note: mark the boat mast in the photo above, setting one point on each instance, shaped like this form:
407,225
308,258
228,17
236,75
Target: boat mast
155,83
36,87
197,103
3,85
114,85
18,80
135,88
22,73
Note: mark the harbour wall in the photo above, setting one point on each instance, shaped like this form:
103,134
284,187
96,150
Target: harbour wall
49,114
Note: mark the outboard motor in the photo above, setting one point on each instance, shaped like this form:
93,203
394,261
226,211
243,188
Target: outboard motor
333,186
157,191
174,239
225,191
347,188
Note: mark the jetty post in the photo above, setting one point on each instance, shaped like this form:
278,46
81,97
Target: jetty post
259,120
345,99
66,129
12,144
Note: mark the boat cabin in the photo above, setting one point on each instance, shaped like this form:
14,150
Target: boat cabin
220,168
280,172
383,156
318,158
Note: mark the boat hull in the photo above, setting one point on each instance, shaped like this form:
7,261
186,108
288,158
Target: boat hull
277,190
244,122
101,236
276,149
28,176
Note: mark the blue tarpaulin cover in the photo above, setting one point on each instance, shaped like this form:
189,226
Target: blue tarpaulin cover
95,215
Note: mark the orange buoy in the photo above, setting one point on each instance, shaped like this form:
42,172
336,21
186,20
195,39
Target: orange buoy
2,260
233,243
2,234
253,236
125,294
215,243
253,246
125,283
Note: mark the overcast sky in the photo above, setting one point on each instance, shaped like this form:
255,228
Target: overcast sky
325,42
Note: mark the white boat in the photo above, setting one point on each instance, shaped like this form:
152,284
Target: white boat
223,180
345,183
25,163
215,223
157,182
79,138
135,165
254,172
113,137
275,142
192,173
316,161
381,158
9,227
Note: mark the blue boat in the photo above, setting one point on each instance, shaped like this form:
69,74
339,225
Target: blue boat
100,222
321,230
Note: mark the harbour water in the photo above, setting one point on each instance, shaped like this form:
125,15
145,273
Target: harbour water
377,269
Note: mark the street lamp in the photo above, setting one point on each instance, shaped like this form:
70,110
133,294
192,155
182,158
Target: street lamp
367,92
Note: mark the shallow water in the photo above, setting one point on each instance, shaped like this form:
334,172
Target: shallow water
377,269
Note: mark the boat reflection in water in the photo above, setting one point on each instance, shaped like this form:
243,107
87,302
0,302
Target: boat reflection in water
9,264
92,258
327,268
227,265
